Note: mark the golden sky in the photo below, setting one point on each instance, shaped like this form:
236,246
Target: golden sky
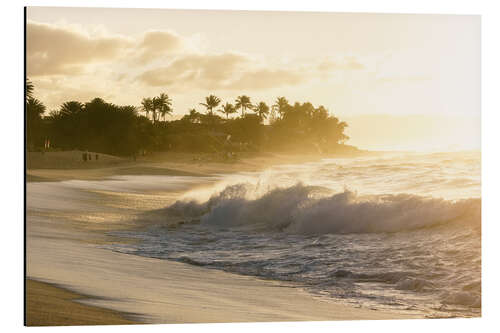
400,81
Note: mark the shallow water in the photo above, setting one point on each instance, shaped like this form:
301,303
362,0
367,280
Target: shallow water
397,231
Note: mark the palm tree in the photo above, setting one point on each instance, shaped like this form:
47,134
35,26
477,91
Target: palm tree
29,89
163,105
280,105
211,102
157,104
34,111
147,106
193,116
228,109
262,110
35,108
243,103
71,107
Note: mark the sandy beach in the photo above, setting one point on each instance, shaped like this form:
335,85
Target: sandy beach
65,252
51,305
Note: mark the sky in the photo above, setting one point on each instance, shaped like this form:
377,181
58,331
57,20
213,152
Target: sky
401,82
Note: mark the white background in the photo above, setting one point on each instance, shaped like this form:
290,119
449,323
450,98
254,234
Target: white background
11,157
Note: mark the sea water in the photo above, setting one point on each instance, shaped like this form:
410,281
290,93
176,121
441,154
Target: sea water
398,231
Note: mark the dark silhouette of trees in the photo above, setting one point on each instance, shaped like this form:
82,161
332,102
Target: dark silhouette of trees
262,110
193,117
247,131
29,89
104,127
147,105
34,122
211,102
303,127
281,105
34,111
100,126
70,108
228,109
157,106
163,104
243,103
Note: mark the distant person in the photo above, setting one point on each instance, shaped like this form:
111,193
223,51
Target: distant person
84,156
90,156
96,157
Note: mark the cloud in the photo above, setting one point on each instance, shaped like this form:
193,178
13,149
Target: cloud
226,71
158,58
199,70
58,50
156,44
63,50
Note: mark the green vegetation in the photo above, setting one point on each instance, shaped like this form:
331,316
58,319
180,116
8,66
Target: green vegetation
243,103
126,130
211,102
157,106
228,109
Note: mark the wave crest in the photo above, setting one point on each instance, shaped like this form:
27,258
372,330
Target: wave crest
309,210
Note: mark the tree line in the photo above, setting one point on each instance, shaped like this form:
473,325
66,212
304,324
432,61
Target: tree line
127,130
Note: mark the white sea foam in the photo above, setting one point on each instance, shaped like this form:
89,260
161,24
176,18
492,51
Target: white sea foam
309,210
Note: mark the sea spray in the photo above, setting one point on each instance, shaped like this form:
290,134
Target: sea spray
309,210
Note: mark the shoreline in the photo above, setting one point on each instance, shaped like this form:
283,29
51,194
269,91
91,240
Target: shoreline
162,291
59,166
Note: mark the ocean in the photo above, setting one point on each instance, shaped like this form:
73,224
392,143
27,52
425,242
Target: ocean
397,231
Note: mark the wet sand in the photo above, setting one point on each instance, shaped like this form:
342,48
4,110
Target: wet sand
49,305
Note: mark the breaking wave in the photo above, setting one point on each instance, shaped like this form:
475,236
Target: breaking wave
301,209
409,240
